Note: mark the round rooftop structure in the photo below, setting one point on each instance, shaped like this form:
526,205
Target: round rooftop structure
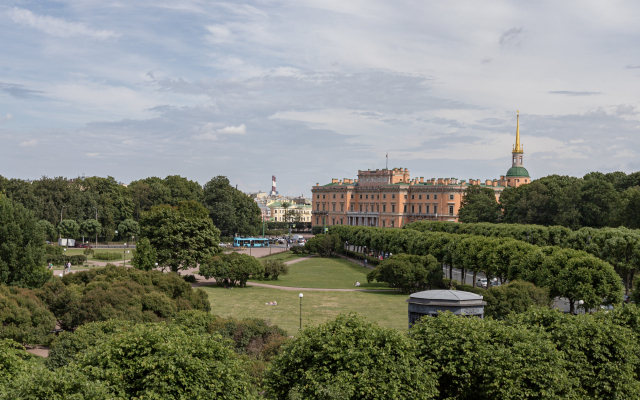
518,172
431,302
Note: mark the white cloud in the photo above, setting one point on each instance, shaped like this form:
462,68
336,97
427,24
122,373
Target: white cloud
6,118
93,155
209,131
219,34
57,26
233,130
29,143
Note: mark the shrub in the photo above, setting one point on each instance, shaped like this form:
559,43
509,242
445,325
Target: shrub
166,362
13,360
275,268
323,245
231,269
189,278
486,359
514,297
53,250
107,256
23,317
348,358
408,273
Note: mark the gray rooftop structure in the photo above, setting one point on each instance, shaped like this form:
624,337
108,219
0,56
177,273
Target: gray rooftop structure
458,302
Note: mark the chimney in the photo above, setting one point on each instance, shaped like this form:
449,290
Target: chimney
488,182
422,179
334,181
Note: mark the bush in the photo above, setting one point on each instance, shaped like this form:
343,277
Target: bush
189,278
275,268
166,362
514,297
251,336
298,250
53,250
317,229
14,360
323,245
348,358
121,293
485,359
23,317
226,239
408,273
231,269
108,256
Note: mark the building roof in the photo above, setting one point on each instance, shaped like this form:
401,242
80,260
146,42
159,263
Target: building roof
518,172
449,295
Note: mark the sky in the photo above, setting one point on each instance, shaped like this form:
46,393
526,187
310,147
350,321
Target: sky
310,90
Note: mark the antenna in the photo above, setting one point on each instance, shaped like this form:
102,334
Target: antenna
387,164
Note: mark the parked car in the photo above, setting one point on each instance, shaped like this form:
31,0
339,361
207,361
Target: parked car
84,245
481,282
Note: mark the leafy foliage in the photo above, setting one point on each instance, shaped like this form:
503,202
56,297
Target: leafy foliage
69,228
484,359
323,245
407,273
21,247
127,229
23,317
479,204
121,293
47,229
166,362
180,241
232,269
144,257
348,358
274,268
514,297
231,210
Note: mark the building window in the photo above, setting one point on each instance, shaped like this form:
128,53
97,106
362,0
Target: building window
435,197
413,197
317,207
317,196
419,197
405,208
392,221
419,209
393,208
384,196
384,208
427,197
377,197
413,209
393,196
317,222
333,221
435,209
334,206
384,222
360,196
378,207
360,207
450,197
342,196
451,210
341,207
334,195
341,221
426,209
323,196
405,196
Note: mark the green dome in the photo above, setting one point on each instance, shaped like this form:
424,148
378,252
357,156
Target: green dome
518,172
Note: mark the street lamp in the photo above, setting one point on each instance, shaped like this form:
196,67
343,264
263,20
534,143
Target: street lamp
64,260
300,295
580,302
156,265
124,256
96,229
60,233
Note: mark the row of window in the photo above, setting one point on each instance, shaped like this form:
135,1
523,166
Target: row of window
393,196
384,208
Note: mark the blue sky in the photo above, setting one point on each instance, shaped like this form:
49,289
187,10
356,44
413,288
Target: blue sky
310,90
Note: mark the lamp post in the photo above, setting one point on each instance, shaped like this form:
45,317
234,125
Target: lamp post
60,233
156,265
300,295
64,261
580,302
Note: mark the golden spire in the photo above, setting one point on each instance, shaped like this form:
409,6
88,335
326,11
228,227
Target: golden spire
518,147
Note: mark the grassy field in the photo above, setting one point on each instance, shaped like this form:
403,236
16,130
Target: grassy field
387,309
282,256
327,273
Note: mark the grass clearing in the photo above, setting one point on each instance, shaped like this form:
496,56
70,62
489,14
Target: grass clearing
326,273
388,309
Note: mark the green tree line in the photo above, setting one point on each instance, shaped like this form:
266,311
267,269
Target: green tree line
83,199
620,247
595,200
573,274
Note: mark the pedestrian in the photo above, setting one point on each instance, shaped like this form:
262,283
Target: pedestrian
365,262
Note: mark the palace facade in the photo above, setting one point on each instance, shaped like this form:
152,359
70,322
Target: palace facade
391,198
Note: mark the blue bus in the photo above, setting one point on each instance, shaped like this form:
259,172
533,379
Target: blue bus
250,242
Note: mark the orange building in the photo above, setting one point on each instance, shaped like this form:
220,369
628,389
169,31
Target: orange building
390,198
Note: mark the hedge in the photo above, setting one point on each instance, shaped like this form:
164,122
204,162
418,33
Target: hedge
107,256
77,259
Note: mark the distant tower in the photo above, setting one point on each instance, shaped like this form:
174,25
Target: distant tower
273,186
517,174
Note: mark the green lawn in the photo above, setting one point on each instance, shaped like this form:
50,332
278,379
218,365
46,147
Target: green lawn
328,273
388,309
72,252
282,256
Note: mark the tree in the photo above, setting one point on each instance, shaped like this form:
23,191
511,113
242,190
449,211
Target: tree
128,228
324,245
231,210
166,362
47,229
514,297
479,205
144,256
24,318
274,268
68,228
231,269
348,358
408,273
180,242
91,227
485,359
21,247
